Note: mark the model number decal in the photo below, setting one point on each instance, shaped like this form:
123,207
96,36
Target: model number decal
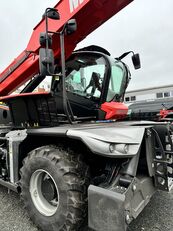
74,4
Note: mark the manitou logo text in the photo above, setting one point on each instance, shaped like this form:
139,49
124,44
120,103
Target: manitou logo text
74,4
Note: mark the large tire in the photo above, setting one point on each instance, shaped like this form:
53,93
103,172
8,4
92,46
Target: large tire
54,186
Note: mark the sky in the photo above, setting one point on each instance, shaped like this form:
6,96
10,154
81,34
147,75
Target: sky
144,26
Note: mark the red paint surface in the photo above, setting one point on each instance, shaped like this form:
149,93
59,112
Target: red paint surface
90,14
114,110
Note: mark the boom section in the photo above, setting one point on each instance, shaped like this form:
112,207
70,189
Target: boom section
89,14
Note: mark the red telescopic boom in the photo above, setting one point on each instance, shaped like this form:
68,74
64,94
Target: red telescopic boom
89,14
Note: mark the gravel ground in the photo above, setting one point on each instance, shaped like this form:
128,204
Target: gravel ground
157,216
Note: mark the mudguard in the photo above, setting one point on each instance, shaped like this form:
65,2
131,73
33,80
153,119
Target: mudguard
111,141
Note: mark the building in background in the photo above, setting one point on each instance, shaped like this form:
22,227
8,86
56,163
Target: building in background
147,94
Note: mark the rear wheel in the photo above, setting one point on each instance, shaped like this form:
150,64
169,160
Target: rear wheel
54,186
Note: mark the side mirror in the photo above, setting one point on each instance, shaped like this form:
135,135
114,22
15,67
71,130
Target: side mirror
52,13
46,62
43,39
136,61
71,26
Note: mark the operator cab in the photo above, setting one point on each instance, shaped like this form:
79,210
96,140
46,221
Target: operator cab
95,85
92,78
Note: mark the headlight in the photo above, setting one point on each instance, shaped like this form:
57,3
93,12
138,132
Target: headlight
120,148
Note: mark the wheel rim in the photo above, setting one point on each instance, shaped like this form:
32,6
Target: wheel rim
46,202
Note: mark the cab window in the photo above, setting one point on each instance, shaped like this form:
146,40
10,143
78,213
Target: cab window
85,74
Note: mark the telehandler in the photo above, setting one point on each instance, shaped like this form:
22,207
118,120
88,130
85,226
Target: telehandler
75,163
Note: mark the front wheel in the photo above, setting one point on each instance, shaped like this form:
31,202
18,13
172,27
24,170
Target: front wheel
54,186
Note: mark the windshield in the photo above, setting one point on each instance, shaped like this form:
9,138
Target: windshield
117,82
85,73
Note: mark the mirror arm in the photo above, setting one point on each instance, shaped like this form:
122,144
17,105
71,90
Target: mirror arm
47,42
66,104
124,55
